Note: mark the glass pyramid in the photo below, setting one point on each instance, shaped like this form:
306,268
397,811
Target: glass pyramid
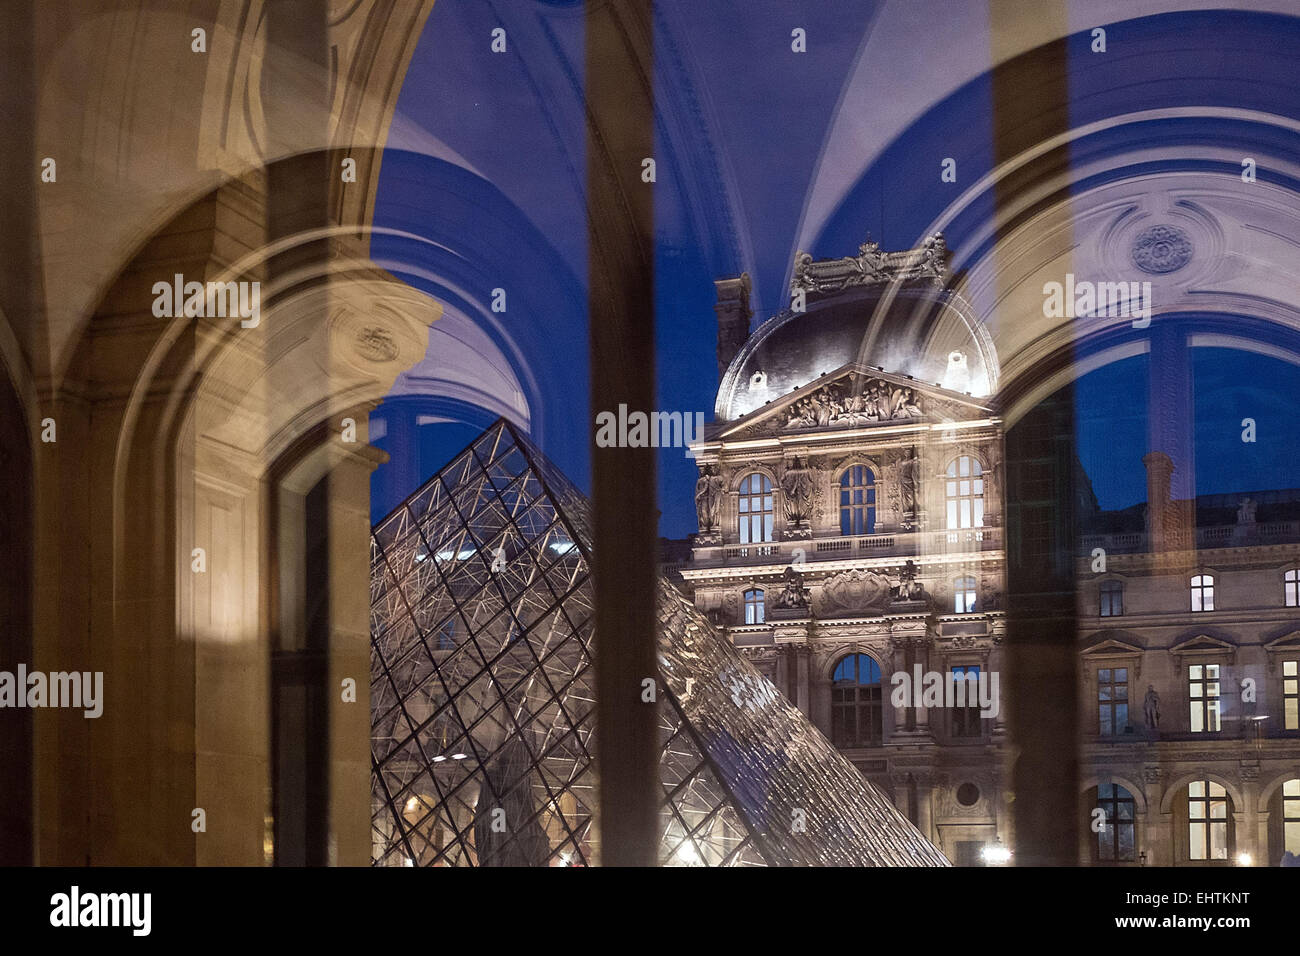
482,708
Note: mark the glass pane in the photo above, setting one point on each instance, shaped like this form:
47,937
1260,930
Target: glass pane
1194,672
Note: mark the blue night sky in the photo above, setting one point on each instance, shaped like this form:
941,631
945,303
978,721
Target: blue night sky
746,117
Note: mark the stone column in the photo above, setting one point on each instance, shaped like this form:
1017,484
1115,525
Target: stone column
802,689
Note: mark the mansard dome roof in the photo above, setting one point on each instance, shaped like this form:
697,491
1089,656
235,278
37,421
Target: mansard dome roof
914,328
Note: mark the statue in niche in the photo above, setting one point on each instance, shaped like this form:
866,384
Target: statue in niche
1246,511
1151,707
908,470
708,499
795,595
797,483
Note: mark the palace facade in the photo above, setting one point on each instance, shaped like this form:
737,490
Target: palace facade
852,542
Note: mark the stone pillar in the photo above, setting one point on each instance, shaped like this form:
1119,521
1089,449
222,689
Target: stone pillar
802,688
924,807
1158,835
783,670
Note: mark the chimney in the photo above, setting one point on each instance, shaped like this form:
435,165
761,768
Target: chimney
733,318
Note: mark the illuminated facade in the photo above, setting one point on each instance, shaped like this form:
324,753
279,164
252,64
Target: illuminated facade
851,507
483,713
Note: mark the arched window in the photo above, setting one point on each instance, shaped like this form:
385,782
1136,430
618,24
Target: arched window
856,715
964,491
1207,812
1116,839
1291,816
857,501
963,594
1203,592
1112,599
755,509
1292,588
754,612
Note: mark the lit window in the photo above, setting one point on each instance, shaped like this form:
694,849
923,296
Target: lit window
1292,588
1291,695
1116,839
963,595
755,509
1112,598
1207,810
857,501
1291,816
754,613
1112,700
1203,692
964,491
856,714
1203,592
966,720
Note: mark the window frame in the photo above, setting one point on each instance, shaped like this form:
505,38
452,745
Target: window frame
1110,588
851,701
1291,587
963,488
765,516
851,508
1201,700
965,723
970,592
1201,587
1111,805
754,600
1209,799
1113,703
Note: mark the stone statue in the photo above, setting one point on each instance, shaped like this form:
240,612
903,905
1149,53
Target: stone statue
797,483
907,475
1151,707
795,595
910,589
708,499
1246,512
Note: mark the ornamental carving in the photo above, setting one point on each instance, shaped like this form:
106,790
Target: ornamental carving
870,266
376,344
854,400
1162,249
854,591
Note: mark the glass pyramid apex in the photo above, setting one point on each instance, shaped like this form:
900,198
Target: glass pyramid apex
482,699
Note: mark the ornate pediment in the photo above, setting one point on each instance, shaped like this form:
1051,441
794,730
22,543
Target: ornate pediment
856,397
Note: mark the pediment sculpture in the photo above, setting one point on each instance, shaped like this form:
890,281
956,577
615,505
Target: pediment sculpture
854,401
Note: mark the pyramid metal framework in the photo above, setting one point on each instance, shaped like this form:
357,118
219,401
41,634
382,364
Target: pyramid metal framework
482,699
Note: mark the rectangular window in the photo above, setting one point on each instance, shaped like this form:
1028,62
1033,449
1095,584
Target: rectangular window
1112,700
1291,695
966,720
1291,816
1207,810
1203,693
1112,599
